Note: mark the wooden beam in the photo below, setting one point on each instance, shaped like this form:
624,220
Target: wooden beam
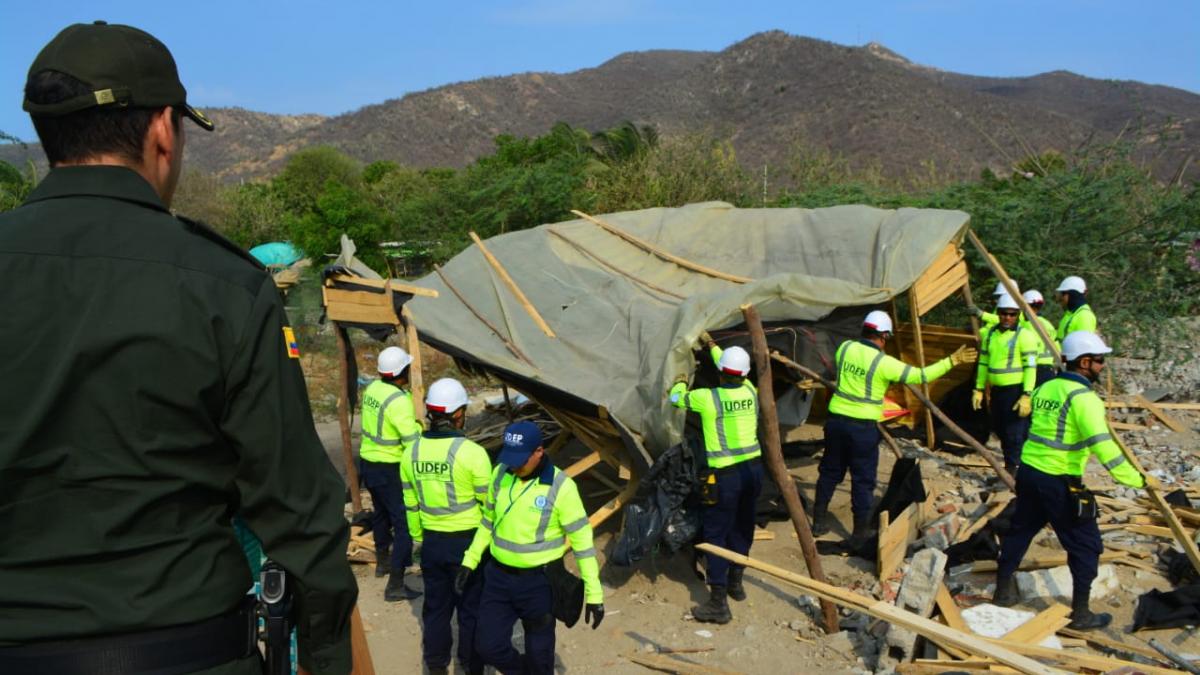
613,505
360,651
345,415
993,509
1164,406
916,323
1172,423
1100,640
416,379
892,614
1046,623
669,257
894,538
772,451
393,284
512,286
604,263
1077,658
591,459
967,438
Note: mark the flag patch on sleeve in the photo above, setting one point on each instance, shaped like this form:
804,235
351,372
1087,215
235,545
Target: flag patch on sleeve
289,341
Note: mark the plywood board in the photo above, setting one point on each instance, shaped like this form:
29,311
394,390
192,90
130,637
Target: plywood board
894,540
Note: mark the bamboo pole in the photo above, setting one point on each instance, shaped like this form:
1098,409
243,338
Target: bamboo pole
892,614
832,386
492,327
916,319
669,257
587,252
416,378
1011,287
966,438
512,286
344,417
773,450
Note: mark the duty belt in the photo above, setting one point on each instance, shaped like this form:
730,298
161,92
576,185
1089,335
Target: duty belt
519,571
163,651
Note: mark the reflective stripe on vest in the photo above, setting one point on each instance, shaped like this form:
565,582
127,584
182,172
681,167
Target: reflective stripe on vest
377,437
723,442
539,543
870,378
455,506
1060,431
1012,351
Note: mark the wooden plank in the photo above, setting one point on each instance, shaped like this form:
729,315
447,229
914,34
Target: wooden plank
894,541
1127,426
591,459
1046,623
658,252
1164,406
1042,562
1172,423
358,306
613,505
947,259
1101,640
993,510
916,321
360,651
492,327
1152,530
512,286
946,285
416,379
1077,658
394,284
761,534
949,608
928,628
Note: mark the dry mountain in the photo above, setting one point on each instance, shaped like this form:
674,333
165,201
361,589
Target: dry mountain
764,93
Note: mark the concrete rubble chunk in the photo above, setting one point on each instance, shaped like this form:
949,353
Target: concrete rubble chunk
991,621
1056,583
918,593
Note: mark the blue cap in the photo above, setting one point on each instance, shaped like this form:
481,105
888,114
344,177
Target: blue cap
521,439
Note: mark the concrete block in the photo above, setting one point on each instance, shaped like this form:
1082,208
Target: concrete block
918,593
1056,583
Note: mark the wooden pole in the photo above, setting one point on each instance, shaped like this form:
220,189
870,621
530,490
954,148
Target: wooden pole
512,286
344,417
831,386
966,293
416,380
360,651
1168,514
629,275
773,451
492,327
916,319
966,438
1011,287
892,614
669,257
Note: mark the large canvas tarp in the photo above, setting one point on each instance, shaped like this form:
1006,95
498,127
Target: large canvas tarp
626,320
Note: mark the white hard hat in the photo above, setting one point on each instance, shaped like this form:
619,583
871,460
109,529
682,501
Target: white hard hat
1081,343
1033,297
1006,302
1001,289
445,396
393,361
734,361
1072,283
878,321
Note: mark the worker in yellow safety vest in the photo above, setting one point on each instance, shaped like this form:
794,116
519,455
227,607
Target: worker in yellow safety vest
1077,313
388,426
531,513
1069,425
1008,364
445,477
733,479
1046,366
864,372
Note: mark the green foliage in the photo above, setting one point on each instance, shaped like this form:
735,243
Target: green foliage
15,184
675,172
339,209
307,172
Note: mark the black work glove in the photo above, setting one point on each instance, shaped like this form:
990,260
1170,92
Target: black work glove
461,579
595,612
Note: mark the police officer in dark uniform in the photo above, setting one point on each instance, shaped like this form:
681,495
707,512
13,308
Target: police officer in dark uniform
151,391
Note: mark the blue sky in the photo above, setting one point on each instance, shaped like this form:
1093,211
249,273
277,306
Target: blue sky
332,57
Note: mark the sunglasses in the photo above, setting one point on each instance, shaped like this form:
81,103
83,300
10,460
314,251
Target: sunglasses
1097,359
1008,313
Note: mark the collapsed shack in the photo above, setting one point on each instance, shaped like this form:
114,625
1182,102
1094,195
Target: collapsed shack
593,318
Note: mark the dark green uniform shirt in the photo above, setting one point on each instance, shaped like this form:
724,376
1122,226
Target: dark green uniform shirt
146,396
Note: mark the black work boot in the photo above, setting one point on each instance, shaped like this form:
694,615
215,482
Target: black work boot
735,589
820,520
396,590
1083,618
861,533
383,562
1006,594
716,610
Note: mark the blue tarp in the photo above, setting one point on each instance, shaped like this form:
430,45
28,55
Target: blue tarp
276,253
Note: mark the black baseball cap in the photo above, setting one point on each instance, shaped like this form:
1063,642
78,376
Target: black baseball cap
123,65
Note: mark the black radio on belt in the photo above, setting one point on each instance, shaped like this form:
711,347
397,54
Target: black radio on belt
275,608
1082,501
